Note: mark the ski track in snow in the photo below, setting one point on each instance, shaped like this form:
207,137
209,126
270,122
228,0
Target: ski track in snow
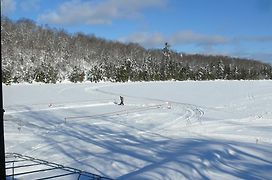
194,111
183,120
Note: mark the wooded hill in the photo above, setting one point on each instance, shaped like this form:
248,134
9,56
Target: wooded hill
42,54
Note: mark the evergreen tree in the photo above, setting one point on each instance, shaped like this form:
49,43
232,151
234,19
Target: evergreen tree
40,53
77,75
7,75
95,74
166,50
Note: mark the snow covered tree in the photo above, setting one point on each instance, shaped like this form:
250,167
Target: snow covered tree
44,54
77,75
166,50
45,73
7,74
95,74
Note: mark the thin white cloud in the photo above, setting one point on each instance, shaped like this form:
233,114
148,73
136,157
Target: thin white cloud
145,39
30,5
98,12
8,6
267,38
261,56
178,38
205,44
189,37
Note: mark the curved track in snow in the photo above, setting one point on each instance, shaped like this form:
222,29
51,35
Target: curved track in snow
185,115
193,112
145,137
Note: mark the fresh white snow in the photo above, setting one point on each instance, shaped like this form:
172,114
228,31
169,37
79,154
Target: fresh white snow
165,130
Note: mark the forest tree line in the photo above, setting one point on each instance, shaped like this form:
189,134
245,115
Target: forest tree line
39,53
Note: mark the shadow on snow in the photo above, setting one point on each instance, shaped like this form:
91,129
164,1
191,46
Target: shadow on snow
121,152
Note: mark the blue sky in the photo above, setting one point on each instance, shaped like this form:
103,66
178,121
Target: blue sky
239,28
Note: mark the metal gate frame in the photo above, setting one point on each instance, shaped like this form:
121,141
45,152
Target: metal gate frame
21,166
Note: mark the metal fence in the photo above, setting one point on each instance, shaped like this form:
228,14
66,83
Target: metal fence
24,167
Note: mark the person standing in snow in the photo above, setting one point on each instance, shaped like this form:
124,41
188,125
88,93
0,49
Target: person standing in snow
122,100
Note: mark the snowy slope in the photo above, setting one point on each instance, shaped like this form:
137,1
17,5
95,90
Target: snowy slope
166,130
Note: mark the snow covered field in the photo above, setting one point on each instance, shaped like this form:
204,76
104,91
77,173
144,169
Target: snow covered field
166,130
